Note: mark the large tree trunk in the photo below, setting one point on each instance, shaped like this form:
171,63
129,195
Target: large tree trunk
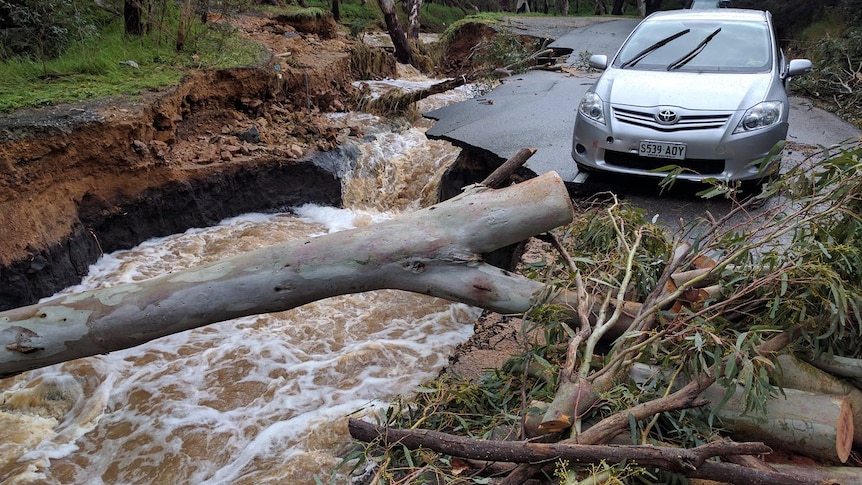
818,425
336,10
435,251
403,52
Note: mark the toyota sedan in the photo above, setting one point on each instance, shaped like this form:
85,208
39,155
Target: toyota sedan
701,91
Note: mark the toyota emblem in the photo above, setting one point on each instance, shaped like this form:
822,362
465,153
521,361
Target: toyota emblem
666,116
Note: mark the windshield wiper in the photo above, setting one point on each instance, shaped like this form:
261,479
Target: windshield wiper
640,55
693,53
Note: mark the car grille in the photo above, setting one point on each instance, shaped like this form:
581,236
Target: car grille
632,160
687,121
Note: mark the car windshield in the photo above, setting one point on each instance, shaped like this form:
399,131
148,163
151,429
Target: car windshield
718,46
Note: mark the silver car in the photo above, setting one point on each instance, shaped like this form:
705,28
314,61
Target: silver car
702,90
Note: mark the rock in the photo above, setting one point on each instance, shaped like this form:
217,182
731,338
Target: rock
295,151
139,147
38,263
251,135
159,149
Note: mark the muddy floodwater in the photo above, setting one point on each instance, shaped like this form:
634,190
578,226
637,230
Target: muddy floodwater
255,400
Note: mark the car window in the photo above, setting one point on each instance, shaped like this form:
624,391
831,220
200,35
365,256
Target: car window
710,4
737,47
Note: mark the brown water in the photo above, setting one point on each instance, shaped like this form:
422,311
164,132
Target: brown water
255,400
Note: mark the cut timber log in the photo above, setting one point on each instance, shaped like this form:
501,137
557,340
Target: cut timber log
434,251
818,425
795,373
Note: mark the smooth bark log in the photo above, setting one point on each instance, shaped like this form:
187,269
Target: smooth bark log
795,373
435,251
838,365
818,425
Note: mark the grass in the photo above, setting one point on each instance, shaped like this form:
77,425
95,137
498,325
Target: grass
96,67
99,66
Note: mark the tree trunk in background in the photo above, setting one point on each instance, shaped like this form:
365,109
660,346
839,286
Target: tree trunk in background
132,18
186,13
403,53
203,10
652,6
413,7
602,7
619,7
336,10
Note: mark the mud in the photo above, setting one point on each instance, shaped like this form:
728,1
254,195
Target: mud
83,179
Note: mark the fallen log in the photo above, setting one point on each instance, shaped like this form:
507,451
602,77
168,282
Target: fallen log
818,425
690,462
795,373
434,251
838,365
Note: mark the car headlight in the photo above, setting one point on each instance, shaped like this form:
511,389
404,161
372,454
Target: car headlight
592,107
760,116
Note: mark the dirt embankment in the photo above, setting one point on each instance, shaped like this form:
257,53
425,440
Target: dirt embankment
79,180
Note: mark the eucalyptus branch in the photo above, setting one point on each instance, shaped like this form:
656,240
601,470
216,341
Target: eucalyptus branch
600,330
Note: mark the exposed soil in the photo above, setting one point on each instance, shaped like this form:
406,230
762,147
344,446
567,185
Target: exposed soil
79,180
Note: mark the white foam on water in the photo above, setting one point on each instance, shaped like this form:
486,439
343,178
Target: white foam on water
212,404
259,399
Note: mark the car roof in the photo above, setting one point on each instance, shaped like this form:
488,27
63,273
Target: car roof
711,14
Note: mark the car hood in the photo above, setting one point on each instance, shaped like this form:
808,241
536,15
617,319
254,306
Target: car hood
689,90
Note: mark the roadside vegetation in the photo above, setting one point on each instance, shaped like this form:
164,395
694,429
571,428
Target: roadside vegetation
752,311
56,51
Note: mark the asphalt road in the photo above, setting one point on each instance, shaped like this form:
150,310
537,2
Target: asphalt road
533,109
537,109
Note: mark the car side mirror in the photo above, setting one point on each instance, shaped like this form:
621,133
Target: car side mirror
599,61
798,67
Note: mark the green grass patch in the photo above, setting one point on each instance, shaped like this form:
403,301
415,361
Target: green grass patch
100,66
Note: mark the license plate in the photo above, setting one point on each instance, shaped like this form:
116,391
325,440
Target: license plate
658,149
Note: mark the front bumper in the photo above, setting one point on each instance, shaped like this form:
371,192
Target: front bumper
711,153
